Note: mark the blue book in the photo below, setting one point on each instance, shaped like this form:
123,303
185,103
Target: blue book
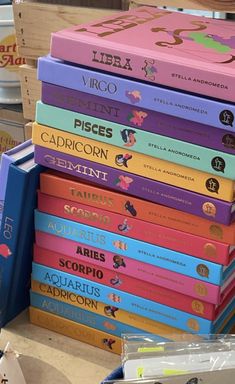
17,236
139,250
81,316
131,303
21,151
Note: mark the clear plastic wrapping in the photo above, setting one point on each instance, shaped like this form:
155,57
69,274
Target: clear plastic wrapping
145,359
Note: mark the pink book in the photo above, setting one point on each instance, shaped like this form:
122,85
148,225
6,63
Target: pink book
143,271
162,236
126,283
187,52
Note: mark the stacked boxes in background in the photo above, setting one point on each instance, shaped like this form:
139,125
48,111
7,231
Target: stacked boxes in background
33,38
12,126
134,227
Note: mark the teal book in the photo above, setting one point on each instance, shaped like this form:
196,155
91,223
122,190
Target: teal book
17,236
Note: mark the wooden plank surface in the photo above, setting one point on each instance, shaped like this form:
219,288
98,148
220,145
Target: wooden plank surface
34,23
28,131
214,5
30,90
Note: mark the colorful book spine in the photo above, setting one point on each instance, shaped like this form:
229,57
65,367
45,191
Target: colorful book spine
150,190
141,118
135,163
126,283
136,229
83,317
67,187
203,110
228,325
160,46
111,312
16,236
128,302
141,270
164,258
143,142
88,335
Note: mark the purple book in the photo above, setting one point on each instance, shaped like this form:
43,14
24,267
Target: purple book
219,114
141,118
135,185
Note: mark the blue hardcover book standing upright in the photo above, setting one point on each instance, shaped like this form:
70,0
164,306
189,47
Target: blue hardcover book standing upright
21,151
17,236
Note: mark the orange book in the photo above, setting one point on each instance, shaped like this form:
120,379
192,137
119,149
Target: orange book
75,330
68,187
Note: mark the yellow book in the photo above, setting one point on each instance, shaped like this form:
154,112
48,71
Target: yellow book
75,330
133,162
140,322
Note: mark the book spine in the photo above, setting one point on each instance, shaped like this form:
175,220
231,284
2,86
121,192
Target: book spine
153,191
164,258
125,283
144,95
134,228
225,317
141,118
123,300
111,312
19,296
7,158
228,323
10,234
76,190
135,163
88,335
139,269
83,317
5,162
143,142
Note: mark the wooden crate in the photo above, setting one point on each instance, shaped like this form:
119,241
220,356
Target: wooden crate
30,90
34,22
211,5
28,130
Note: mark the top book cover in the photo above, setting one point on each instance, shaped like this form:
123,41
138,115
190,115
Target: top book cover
190,53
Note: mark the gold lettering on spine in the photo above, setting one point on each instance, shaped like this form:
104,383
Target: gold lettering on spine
88,196
60,142
86,214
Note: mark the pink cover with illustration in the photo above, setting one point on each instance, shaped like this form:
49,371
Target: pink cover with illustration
158,276
188,52
162,236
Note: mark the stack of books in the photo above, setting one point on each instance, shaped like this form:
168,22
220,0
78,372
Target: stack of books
134,227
